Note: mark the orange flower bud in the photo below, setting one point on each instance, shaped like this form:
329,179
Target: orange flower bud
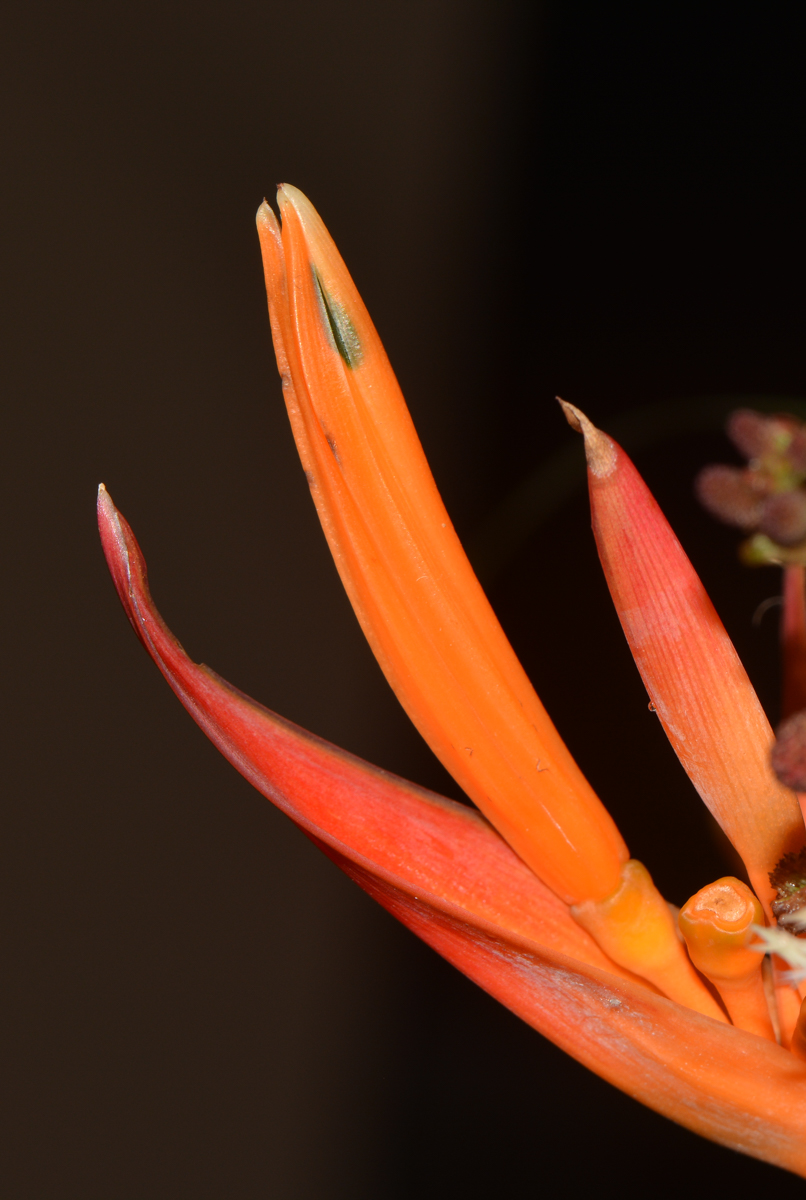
717,924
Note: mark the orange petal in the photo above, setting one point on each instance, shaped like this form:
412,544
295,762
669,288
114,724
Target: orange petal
636,929
415,594
695,680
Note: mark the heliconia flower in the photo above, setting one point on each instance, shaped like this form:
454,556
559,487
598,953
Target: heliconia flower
536,899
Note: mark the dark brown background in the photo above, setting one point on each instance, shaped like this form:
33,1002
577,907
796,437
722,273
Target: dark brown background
600,200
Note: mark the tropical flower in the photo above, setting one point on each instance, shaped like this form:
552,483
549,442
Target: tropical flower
535,897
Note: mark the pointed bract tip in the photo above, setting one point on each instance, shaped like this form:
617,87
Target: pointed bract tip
105,504
571,414
265,215
108,515
287,194
599,450
118,543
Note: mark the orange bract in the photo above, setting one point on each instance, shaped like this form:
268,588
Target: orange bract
419,603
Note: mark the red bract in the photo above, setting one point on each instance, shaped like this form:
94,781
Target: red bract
537,900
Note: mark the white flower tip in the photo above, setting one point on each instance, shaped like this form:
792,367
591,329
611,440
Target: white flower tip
788,947
288,194
599,449
316,235
265,216
105,502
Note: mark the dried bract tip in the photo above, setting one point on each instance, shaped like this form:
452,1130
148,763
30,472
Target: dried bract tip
789,755
635,928
730,496
783,517
599,450
572,415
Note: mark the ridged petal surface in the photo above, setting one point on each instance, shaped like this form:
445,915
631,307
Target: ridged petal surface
409,581
695,680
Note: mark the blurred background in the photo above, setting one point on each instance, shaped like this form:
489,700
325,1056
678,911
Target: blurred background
600,201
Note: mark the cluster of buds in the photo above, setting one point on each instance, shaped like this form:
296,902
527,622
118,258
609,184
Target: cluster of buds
767,497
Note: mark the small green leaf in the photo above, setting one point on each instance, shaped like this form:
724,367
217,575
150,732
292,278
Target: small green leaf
341,328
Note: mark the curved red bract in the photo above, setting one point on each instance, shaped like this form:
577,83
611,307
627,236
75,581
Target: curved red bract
441,869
